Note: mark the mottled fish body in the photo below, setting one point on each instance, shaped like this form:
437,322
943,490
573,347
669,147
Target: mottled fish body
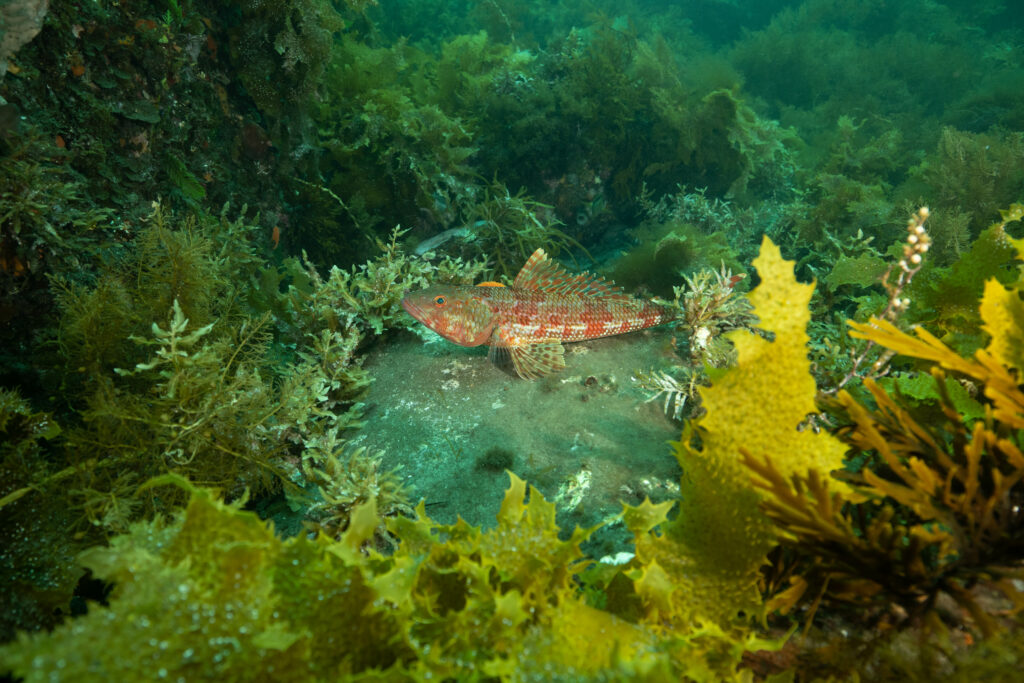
529,320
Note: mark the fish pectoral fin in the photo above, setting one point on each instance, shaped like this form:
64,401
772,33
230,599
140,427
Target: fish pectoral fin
533,361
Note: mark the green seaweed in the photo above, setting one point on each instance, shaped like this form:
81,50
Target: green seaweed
171,371
508,228
216,593
37,560
670,250
170,343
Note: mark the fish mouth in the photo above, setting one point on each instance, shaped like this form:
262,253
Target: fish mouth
411,308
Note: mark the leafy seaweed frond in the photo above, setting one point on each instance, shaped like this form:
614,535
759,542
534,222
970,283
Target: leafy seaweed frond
936,513
346,481
367,297
703,567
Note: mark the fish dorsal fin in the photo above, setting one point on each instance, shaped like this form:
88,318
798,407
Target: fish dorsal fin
490,284
541,273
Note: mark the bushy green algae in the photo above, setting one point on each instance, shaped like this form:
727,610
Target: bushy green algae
215,593
451,600
200,597
190,354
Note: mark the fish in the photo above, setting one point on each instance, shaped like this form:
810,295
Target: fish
434,242
529,320
431,243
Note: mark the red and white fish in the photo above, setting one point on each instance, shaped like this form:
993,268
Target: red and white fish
544,307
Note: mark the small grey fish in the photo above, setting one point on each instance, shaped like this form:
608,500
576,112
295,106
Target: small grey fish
437,240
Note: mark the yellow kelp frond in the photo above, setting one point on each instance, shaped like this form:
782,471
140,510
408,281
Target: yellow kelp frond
1002,310
216,595
760,404
704,565
195,599
1000,385
944,484
1002,313
503,602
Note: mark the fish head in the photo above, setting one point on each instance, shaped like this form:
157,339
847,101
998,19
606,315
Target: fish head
459,314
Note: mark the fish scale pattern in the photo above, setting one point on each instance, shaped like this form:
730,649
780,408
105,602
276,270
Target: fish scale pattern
544,307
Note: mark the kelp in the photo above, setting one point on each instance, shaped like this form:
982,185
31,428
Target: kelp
936,511
703,565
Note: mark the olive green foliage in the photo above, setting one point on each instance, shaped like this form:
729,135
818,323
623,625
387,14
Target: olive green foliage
977,173
670,250
947,297
344,481
578,105
37,557
180,374
390,153
994,659
170,368
508,228
45,223
837,57
879,133
173,373
216,594
46,226
860,281
282,48
849,191
365,299
556,122
732,230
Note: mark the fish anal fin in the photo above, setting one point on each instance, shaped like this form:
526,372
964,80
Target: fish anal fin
543,274
533,361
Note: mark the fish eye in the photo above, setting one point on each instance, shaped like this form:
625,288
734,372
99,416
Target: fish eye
439,300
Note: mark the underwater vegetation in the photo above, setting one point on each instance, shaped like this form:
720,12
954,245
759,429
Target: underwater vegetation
215,592
210,213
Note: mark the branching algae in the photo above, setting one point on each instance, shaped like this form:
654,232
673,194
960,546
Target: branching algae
215,593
